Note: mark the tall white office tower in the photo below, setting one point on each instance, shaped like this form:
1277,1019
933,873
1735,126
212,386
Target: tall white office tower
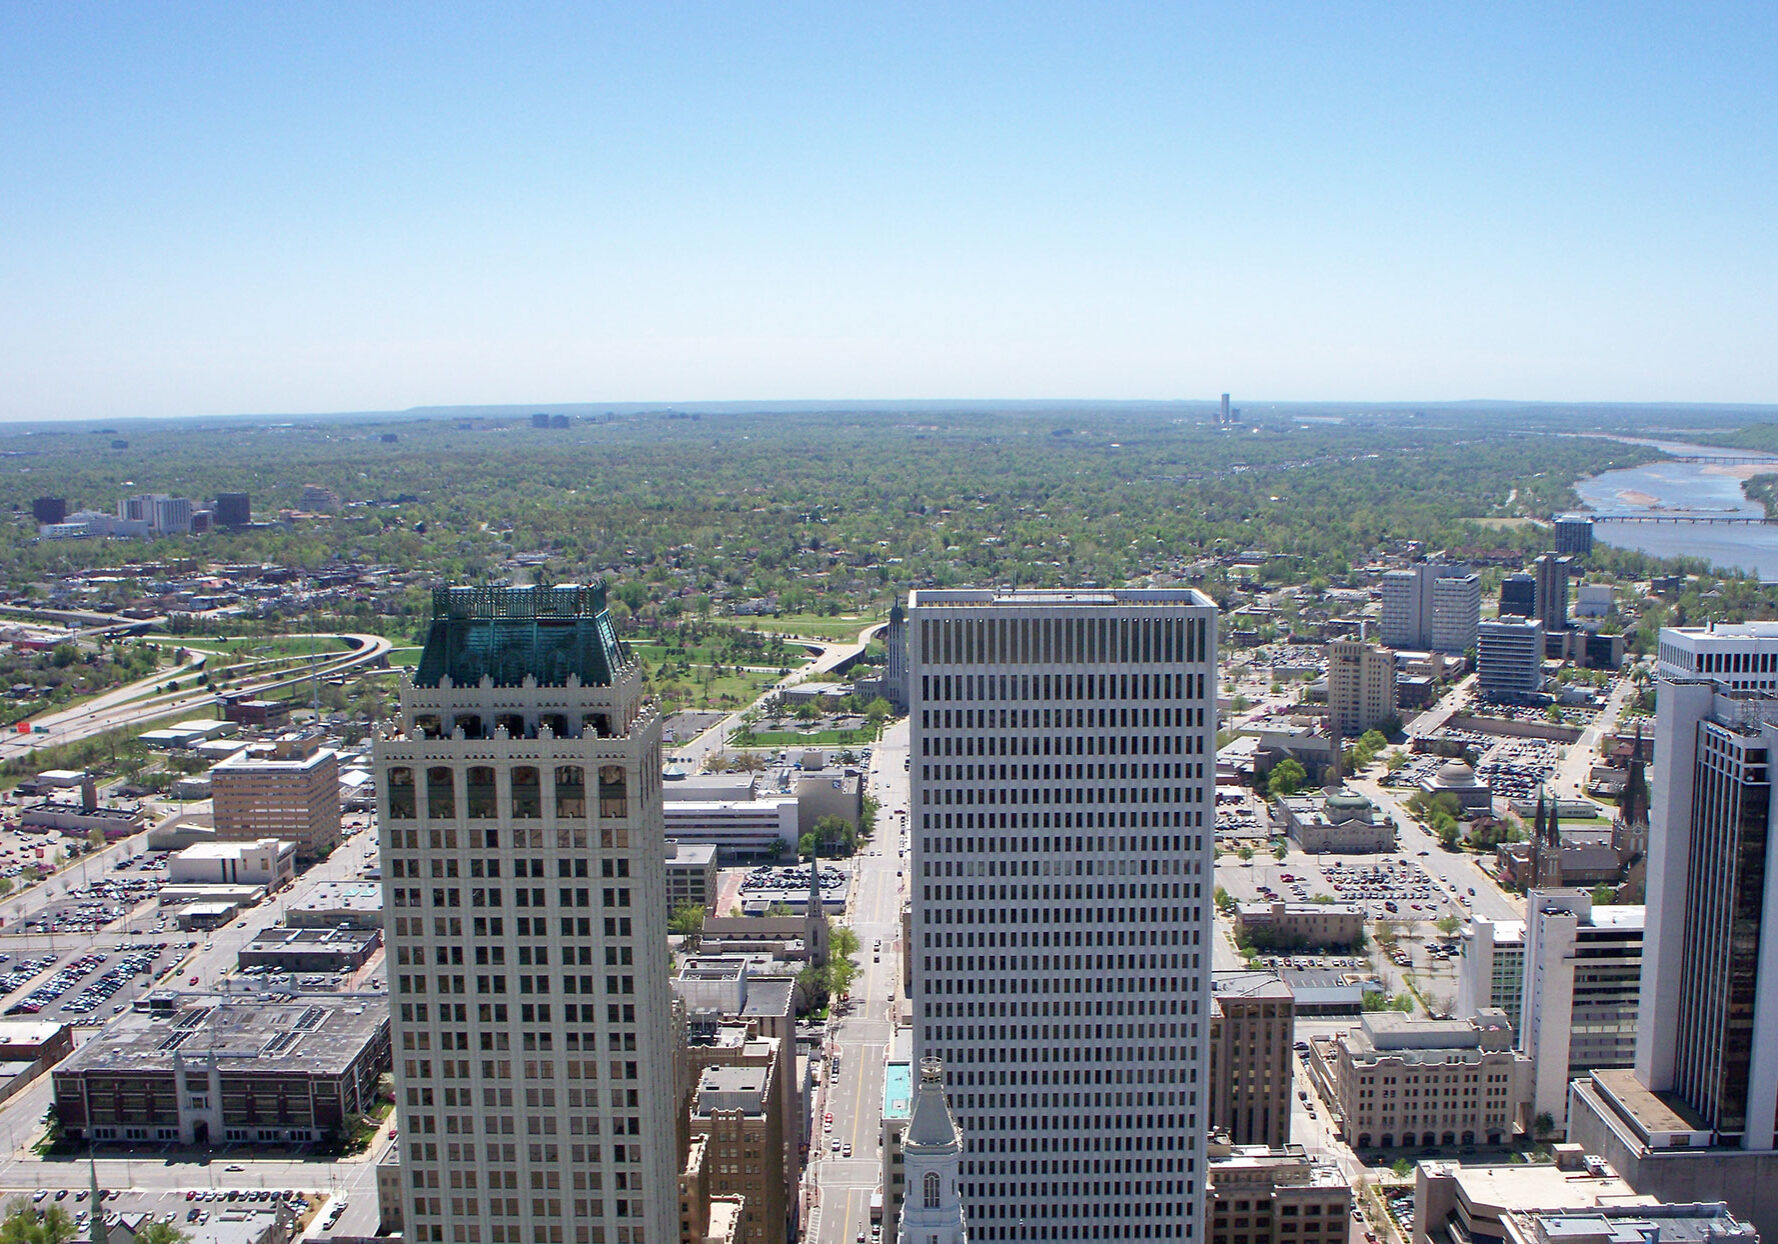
1709,1010
525,888
1063,766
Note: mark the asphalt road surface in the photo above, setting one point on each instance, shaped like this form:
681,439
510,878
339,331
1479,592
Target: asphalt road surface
854,1093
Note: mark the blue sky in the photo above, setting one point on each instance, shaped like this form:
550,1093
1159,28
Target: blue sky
256,208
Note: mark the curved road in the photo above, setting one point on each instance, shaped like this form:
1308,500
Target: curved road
128,706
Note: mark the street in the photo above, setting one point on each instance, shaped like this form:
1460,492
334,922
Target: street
854,1094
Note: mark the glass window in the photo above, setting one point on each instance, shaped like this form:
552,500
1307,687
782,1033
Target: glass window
613,791
527,798
570,792
401,793
441,794
483,799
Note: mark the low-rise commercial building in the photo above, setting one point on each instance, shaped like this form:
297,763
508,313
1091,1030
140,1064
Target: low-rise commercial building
1577,1199
311,950
1337,820
332,904
1275,1195
269,862
79,821
205,1069
1280,925
1396,1082
748,829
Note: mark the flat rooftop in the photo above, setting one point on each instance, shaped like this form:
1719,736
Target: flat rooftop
1539,1187
898,1091
923,597
1653,1112
1246,984
341,896
310,1035
304,939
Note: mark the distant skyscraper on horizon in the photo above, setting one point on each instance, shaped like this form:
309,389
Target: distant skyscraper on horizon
1062,777
1224,420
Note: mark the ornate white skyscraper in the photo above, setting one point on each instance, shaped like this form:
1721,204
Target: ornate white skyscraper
525,888
932,1157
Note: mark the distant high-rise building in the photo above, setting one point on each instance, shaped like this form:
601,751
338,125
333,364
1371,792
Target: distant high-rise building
1456,611
318,500
895,643
1491,968
1225,410
1509,657
49,509
1252,1029
1518,596
1062,766
1552,592
1431,607
233,509
289,790
1574,534
1360,688
525,887
1583,974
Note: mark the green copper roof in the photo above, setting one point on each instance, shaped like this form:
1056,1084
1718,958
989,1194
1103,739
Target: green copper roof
510,632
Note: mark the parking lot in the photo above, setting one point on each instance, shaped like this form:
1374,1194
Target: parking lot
83,986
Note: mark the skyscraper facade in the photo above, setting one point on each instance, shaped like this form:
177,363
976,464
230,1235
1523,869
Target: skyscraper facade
1431,607
1710,969
1551,572
1062,787
1360,686
525,889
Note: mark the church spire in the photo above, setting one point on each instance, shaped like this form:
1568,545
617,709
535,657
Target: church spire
1633,805
932,1157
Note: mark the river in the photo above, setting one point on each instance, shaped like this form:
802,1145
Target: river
1693,486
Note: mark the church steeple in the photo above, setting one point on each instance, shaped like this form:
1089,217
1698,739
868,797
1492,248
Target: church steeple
932,1158
1633,805
815,931
1546,847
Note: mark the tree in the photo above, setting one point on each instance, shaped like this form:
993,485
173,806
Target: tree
841,942
1287,778
156,1232
1245,854
1543,1125
95,840
687,919
779,909
23,1224
1280,850
1448,925
1224,902
1604,896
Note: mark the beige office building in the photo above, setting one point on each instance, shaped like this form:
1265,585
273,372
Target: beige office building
1396,1082
290,790
1360,686
524,866
1252,1025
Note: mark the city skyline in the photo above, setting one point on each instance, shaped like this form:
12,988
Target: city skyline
228,211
